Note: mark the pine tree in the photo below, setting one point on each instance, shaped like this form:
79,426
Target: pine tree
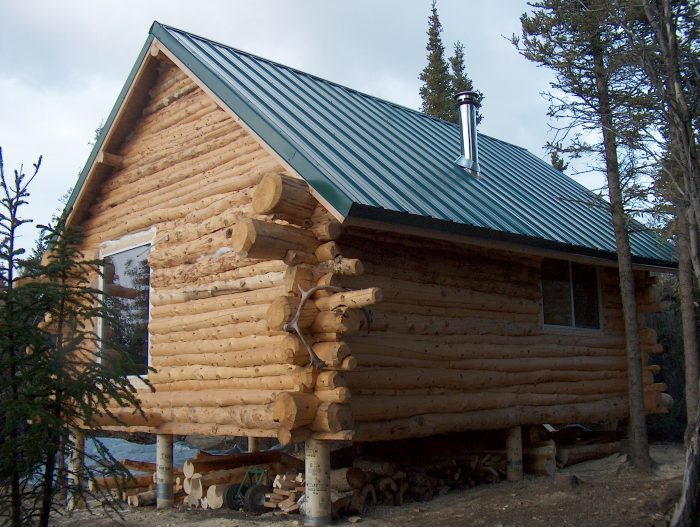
593,68
436,94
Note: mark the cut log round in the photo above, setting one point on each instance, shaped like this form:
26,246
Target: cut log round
285,196
294,410
260,239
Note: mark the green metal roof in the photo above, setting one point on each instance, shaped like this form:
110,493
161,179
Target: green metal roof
374,159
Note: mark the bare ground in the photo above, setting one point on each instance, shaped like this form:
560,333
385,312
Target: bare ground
608,494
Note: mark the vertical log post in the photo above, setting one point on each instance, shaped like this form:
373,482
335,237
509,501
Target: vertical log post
514,454
76,468
164,471
318,483
253,444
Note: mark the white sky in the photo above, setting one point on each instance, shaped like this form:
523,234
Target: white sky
62,64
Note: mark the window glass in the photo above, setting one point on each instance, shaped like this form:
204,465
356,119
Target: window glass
570,294
126,282
585,295
556,293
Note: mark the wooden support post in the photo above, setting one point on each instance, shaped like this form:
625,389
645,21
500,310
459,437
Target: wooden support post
253,444
164,471
514,454
318,483
76,468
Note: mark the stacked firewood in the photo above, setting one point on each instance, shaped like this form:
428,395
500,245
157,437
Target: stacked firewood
371,482
287,490
208,478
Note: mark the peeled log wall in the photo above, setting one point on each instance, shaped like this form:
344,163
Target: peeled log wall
457,343
235,239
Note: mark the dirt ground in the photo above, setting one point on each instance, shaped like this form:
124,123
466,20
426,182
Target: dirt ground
606,495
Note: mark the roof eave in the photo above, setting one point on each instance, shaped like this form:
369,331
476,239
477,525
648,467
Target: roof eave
412,224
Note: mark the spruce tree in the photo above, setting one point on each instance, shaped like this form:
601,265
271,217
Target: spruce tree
436,91
460,80
52,385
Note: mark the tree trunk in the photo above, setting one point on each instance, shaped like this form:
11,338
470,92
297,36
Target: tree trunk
690,349
639,444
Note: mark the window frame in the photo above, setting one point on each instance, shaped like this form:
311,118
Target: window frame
556,328
109,248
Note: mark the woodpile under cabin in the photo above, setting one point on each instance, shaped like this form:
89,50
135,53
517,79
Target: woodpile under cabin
301,261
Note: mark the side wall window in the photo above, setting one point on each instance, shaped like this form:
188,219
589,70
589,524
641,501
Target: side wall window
570,294
126,281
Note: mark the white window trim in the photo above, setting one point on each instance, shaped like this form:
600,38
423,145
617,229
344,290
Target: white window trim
556,328
108,248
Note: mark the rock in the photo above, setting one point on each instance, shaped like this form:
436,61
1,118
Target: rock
355,519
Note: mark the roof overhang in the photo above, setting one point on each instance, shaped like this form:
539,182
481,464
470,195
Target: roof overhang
373,218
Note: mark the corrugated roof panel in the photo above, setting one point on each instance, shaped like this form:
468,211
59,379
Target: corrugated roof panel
356,149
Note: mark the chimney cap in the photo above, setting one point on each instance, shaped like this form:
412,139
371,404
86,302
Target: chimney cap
471,97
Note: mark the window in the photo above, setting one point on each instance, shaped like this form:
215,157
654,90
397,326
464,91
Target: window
126,280
570,294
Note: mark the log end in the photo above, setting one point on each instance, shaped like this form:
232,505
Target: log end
267,194
243,236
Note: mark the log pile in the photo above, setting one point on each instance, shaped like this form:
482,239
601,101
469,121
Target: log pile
287,490
139,490
208,478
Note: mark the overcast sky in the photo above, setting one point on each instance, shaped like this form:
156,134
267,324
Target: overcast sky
62,64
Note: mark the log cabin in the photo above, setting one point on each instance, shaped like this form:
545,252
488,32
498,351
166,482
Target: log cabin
296,259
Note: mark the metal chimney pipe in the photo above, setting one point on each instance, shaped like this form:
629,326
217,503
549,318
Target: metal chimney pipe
467,103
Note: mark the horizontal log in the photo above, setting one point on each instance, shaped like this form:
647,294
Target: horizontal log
255,344
259,239
382,408
431,424
327,251
218,288
126,418
336,395
199,372
204,398
408,378
232,461
284,196
196,321
332,353
332,417
187,428
598,363
354,299
294,410
283,309
296,382
407,292
244,329
245,416
237,359
441,325
341,321
214,303
341,266
585,387
212,266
